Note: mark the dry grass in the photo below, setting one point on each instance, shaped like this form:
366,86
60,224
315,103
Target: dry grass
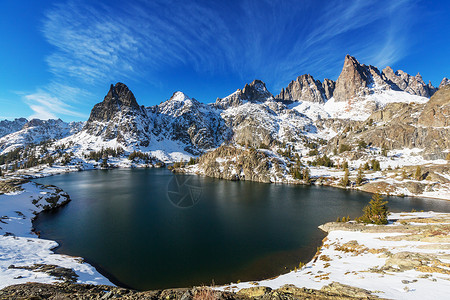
205,293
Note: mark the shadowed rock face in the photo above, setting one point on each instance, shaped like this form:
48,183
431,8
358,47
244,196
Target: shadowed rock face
118,98
328,87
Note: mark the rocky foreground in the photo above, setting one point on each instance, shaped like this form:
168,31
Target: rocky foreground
85,291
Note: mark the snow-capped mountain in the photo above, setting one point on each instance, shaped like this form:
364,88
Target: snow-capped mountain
36,131
7,127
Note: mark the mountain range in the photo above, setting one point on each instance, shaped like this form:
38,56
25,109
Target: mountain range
304,111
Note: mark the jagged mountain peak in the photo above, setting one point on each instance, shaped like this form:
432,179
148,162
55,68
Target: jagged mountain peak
255,91
179,96
177,104
353,80
306,88
119,98
120,94
358,80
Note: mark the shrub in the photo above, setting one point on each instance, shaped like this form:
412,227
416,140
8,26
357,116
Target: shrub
344,147
313,152
362,144
375,212
375,165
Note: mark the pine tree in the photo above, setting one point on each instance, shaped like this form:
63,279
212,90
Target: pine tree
418,174
345,181
1,174
375,212
104,163
359,177
306,176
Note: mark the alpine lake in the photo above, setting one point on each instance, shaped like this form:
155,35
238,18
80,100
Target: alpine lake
151,229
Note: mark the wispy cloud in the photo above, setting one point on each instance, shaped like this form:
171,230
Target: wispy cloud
271,40
45,105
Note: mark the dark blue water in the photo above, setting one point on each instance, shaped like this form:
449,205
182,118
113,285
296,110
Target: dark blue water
125,222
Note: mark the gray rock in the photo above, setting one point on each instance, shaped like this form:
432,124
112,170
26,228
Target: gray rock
305,88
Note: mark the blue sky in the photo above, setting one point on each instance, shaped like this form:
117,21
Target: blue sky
58,58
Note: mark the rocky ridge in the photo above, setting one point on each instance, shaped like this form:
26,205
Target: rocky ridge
355,81
7,127
36,131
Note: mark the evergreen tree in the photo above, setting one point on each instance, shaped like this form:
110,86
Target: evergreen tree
345,181
366,166
104,163
1,174
306,175
375,212
359,177
418,174
375,165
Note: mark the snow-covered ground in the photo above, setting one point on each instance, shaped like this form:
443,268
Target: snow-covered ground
366,259
358,109
20,247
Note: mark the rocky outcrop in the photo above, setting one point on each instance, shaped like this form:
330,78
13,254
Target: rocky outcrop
249,165
253,92
445,81
305,88
436,112
332,291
